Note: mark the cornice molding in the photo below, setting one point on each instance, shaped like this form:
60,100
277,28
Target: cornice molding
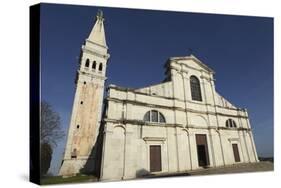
170,98
90,51
191,57
87,40
92,75
186,127
171,107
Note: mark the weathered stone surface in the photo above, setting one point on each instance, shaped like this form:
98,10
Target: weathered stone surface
80,152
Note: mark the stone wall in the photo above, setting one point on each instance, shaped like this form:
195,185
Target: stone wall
127,136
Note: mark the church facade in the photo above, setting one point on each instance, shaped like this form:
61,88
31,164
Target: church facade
178,125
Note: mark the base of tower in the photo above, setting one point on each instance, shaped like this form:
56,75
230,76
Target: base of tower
72,167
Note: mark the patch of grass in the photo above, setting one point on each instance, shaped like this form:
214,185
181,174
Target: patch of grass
74,179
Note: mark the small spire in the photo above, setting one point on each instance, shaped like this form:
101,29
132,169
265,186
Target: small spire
97,34
100,14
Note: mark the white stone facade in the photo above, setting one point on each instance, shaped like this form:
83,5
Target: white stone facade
128,136
187,133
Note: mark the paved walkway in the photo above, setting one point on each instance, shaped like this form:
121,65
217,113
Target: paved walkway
237,168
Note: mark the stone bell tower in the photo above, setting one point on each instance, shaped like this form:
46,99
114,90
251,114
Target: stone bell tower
80,151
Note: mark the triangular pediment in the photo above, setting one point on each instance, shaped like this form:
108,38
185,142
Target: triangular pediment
193,62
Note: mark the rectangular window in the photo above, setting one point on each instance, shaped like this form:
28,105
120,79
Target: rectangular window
74,154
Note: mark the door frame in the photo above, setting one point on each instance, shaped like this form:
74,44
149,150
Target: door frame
238,152
205,143
164,155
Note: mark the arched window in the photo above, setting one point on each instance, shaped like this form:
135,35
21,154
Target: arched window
161,118
100,67
146,116
154,116
230,123
87,64
94,65
227,123
195,88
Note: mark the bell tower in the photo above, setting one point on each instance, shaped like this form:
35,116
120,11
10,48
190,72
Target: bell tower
80,151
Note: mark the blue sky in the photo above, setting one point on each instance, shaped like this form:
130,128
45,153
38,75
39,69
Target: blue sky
238,48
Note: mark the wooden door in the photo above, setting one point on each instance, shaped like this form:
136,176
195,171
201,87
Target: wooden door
155,158
202,150
236,152
202,157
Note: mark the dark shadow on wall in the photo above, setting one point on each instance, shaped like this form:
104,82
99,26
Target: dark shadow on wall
168,175
89,167
99,145
93,164
142,173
